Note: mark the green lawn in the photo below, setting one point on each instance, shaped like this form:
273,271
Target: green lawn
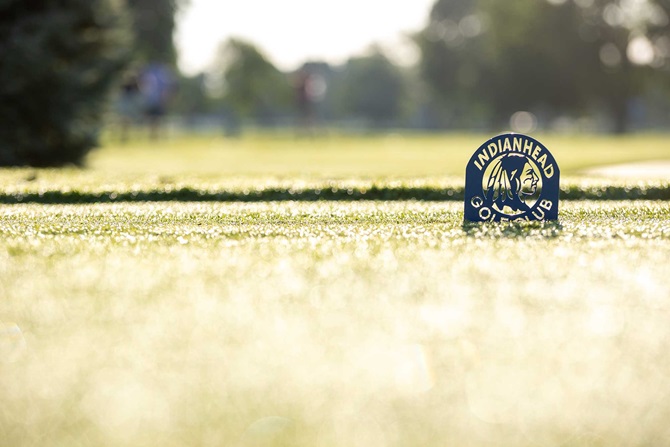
333,324
337,156
280,167
172,322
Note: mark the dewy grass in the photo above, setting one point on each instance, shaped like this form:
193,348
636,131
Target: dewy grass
332,324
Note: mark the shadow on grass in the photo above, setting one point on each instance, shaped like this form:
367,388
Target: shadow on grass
329,192
269,194
513,230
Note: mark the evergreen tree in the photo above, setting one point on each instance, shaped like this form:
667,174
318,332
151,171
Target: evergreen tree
59,59
153,24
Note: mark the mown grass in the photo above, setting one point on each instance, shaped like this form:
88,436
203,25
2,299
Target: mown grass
284,323
280,167
403,156
333,324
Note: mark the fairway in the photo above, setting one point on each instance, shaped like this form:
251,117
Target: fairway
336,156
279,167
333,324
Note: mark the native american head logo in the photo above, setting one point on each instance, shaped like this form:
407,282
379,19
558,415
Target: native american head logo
513,183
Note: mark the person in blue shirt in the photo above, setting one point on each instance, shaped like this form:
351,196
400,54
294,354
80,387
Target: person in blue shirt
156,85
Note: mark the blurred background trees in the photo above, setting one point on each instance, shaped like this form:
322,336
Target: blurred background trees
251,87
371,89
632,40
481,63
486,59
152,24
599,65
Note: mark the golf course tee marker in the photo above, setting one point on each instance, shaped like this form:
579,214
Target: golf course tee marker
511,177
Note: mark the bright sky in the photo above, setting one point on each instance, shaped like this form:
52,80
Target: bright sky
293,31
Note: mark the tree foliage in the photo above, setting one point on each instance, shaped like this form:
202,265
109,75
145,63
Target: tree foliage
372,88
452,61
559,55
192,97
252,85
59,59
153,25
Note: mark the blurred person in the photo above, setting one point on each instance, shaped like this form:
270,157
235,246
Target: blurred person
156,86
128,104
309,90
